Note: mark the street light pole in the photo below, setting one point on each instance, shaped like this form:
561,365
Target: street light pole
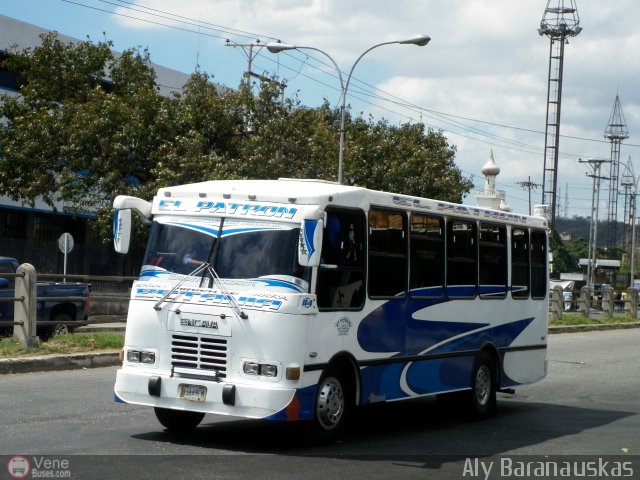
593,229
277,47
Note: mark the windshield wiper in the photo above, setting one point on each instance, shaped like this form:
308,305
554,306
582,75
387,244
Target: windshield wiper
204,266
199,269
232,300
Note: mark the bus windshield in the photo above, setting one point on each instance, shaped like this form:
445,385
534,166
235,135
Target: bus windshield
236,249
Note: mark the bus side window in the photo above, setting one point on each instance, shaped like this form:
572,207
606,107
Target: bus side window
340,282
462,259
493,260
519,263
538,263
427,256
388,242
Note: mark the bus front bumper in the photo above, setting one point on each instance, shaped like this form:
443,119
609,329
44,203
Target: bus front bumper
200,395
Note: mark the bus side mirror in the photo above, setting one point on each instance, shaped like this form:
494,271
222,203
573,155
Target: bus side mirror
310,243
121,230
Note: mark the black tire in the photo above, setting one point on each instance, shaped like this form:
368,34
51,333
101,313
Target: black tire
59,325
481,399
178,420
333,406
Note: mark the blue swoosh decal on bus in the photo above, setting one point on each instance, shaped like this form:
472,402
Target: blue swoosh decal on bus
309,230
392,328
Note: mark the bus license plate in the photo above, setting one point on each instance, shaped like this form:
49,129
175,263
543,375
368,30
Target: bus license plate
195,393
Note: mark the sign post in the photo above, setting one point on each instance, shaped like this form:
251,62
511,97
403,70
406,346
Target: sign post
65,244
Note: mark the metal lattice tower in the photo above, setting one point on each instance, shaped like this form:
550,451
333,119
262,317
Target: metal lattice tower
615,132
559,22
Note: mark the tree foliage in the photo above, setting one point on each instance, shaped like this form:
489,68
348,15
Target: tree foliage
90,124
73,136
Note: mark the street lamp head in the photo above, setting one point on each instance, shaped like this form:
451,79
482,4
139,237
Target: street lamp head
277,47
419,40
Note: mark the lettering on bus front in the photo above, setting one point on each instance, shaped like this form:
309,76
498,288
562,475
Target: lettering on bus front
245,209
210,298
230,208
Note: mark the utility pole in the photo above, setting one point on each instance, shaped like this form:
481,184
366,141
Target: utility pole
627,182
248,49
595,199
529,185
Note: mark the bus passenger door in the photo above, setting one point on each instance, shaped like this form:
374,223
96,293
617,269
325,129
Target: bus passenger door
340,284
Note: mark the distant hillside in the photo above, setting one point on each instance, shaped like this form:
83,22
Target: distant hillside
578,227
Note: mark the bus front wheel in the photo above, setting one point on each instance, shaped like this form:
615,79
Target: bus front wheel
178,420
332,407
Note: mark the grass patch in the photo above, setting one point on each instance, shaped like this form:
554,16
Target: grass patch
575,319
71,343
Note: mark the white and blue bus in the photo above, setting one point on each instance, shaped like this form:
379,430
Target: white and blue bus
300,300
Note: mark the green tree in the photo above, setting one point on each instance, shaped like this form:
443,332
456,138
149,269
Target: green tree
72,135
90,125
284,138
405,159
206,126
567,254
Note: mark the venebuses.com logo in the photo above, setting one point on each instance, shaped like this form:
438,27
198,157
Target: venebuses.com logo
18,467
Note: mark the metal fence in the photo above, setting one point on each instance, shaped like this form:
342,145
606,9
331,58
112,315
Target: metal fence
93,258
113,290
591,300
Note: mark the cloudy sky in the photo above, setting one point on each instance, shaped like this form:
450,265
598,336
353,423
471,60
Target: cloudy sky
482,79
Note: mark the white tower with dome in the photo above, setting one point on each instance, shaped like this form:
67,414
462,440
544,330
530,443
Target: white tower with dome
491,197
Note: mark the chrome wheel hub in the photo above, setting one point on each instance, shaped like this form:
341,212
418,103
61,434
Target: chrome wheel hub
330,405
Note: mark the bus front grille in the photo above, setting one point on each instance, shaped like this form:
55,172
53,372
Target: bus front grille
191,354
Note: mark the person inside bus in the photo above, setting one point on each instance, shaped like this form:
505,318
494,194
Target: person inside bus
194,256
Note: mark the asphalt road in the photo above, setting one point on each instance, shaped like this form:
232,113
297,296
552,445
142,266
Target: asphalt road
588,405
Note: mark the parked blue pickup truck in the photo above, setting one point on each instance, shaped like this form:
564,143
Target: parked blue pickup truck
53,316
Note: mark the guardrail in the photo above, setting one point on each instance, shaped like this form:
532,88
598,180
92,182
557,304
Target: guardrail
604,300
26,299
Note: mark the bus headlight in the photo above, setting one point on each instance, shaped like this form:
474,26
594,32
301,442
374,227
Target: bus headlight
147,357
261,369
268,370
133,356
251,368
141,356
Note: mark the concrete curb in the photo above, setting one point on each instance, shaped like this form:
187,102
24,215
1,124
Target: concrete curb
102,327
46,363
592,327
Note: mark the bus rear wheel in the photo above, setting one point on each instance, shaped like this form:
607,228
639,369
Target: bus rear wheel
178,420
481,399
